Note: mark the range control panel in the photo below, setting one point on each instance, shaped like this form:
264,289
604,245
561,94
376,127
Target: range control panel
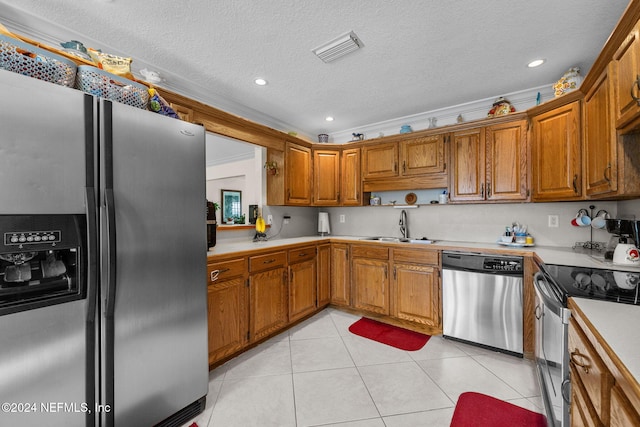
502,264
19,238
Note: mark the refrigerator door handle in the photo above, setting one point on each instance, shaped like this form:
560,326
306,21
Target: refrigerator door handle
111,253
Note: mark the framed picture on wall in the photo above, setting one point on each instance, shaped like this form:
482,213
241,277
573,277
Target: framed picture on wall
231,205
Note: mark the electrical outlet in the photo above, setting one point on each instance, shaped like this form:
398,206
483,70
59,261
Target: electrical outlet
286,220
553,221
342,218
269,219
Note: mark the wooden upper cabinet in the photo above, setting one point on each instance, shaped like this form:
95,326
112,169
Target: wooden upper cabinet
423,155
625,74
556,154
350,179
506,161
326,177
600,143
298,173
468,160
380,161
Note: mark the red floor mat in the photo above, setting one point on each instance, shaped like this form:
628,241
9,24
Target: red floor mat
394,336
480,410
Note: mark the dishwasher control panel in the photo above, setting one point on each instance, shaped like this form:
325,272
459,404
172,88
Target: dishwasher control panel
502,264
483,263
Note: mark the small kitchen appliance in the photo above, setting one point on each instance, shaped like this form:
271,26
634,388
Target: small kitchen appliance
622,247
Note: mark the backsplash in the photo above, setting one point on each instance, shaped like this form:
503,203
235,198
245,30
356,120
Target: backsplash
473,223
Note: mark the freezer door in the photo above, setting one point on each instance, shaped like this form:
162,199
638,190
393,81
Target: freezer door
42,367
42,146
154,265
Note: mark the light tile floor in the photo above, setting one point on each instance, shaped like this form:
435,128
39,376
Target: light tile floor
319,374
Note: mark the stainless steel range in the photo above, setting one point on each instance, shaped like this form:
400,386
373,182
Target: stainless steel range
554,284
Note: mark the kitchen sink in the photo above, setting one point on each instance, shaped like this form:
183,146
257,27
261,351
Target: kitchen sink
398,240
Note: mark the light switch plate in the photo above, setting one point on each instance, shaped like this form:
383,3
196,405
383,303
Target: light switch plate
342,218
269,219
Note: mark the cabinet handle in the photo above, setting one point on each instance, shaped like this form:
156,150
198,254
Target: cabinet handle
488,190
395,167
635,83
585,366
394,273
216,273
538,312
386,272
302,254
575,184
482,190
269,261
607,178
338,196
404,166
565,390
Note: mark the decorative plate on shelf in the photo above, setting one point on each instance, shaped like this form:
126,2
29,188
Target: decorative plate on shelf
410,198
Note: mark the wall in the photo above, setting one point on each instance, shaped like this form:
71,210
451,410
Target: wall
474,223
243,175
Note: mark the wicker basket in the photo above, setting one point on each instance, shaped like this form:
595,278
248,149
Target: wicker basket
24,58
109,86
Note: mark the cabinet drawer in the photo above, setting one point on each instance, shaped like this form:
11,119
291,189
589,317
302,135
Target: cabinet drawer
416,256
588,366
377,252
224,270
267,261
302,254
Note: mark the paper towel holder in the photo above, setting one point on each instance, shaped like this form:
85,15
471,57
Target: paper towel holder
323,224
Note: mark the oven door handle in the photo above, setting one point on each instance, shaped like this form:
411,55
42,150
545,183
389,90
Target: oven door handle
552,303
565,390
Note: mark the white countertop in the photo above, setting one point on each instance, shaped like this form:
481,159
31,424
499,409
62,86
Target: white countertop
607,317
617,324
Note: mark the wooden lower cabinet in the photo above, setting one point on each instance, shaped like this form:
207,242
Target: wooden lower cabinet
302,282
268,295
371,285
324,275
416,294
228,314
602,395
340,275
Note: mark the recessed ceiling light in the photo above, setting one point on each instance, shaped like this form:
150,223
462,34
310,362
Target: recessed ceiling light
329,118
260,82
535,63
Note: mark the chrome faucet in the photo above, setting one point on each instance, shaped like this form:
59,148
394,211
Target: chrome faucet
404,224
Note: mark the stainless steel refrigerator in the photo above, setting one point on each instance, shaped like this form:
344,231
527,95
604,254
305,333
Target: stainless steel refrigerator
103,316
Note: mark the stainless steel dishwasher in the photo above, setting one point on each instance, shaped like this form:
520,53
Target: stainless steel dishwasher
482,300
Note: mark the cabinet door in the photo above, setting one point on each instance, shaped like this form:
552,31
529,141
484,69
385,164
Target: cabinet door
417,294
228,316
371,285
623,414
556,154
380,161
298,171
326,177
625,73
340,275
600,145
268,299
421,156
302,289
324,275
468,165
350,180
506,164
589,367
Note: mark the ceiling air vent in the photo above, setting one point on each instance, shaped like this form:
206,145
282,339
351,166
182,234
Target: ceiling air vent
338,47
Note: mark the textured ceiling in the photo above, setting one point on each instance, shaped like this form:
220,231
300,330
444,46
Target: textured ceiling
417,56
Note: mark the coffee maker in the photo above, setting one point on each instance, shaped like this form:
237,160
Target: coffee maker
622,247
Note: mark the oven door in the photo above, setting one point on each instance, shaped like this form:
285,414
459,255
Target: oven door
552,359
